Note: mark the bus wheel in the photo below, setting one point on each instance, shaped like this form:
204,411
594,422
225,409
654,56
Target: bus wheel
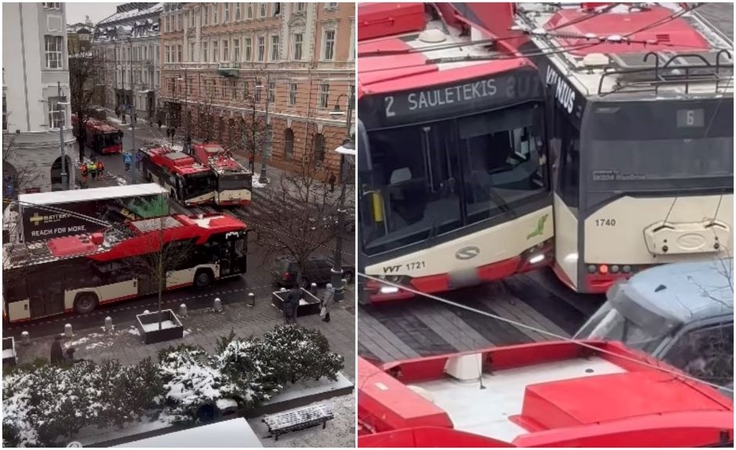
203,278
85,303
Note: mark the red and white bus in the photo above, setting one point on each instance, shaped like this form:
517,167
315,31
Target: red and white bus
234,182
101,137
102,268
188,181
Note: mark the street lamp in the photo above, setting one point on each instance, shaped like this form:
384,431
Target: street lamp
347,155
62,120
267,140
188,137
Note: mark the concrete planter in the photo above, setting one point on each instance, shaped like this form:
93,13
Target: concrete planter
148,326
309,304
9,354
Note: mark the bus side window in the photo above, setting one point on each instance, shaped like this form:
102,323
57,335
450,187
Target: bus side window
705,353
15,288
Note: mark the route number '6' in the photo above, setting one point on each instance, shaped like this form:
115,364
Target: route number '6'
690,118
389,106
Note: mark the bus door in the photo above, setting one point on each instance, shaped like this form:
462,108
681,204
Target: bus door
46,294
232,256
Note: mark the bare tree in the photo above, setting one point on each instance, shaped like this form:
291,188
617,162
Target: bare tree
205,125
161,257
254,127
297,209
85,72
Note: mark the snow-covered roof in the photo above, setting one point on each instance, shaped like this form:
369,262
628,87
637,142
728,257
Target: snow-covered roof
132,14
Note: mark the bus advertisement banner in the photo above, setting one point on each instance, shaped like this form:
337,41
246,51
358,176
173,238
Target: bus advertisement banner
59,220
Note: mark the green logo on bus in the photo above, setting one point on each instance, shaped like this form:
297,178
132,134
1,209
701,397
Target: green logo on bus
540,227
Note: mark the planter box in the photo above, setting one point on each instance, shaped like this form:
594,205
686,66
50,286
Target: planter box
309,304
148,326
9,354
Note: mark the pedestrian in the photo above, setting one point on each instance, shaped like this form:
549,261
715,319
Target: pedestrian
100,168
160,124
92,168
332,180
291,305
117,112
252,162
57,353
328,299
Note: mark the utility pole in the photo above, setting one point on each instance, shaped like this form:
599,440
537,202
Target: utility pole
62,119
122,75
337,269
267,139
134,168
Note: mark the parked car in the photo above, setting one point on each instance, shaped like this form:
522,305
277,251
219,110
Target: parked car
679,313
317,269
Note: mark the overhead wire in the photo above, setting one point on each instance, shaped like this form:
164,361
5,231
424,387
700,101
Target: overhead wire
541,331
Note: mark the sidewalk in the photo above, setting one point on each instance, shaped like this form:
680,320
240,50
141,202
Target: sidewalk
202,327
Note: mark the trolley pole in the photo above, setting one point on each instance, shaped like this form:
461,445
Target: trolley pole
337,269
62,119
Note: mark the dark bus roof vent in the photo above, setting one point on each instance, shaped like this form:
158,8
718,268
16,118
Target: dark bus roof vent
655,69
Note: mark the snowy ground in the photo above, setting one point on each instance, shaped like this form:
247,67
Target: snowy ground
340,432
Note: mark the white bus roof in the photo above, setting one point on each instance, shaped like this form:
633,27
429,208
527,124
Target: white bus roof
229,433
81,195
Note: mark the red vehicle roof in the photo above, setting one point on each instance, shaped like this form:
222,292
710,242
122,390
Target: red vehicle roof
216,157
145,236
544,394
672,35
175,161
95,125
413,70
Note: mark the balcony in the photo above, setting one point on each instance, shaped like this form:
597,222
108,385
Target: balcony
228,69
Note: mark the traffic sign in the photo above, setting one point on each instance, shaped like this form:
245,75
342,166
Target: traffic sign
127,158
139,156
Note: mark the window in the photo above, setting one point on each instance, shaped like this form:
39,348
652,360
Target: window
167,24
215,12
52,5
261,48
249,10
190,57
705,353
223,89
226,14
274,47
180,21
271,92
205,16
288,144
167,52
324,95
328,45
190,15
262,10
566,145
179,53
236,49
54,50
225,51
248,46
319,149
237,12
258,87
204,52
298,40
300,7
331,5
292,94
276,9
57,113
233,90
215,52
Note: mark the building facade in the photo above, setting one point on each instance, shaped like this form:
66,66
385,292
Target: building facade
79,37
36,113
129,43
291,63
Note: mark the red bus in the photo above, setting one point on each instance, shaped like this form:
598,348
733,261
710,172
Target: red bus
234,182
101,268
101,137
187,180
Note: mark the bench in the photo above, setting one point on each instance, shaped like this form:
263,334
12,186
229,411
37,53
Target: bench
297,419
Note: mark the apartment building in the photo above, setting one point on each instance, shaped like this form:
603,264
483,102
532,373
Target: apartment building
129,43
291,63
36,115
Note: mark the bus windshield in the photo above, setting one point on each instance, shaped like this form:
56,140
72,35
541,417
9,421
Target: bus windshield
437,177
660,146
198,184
110,139
234,181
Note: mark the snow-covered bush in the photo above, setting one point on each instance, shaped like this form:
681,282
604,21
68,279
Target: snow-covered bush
191,382
300,353
253,379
